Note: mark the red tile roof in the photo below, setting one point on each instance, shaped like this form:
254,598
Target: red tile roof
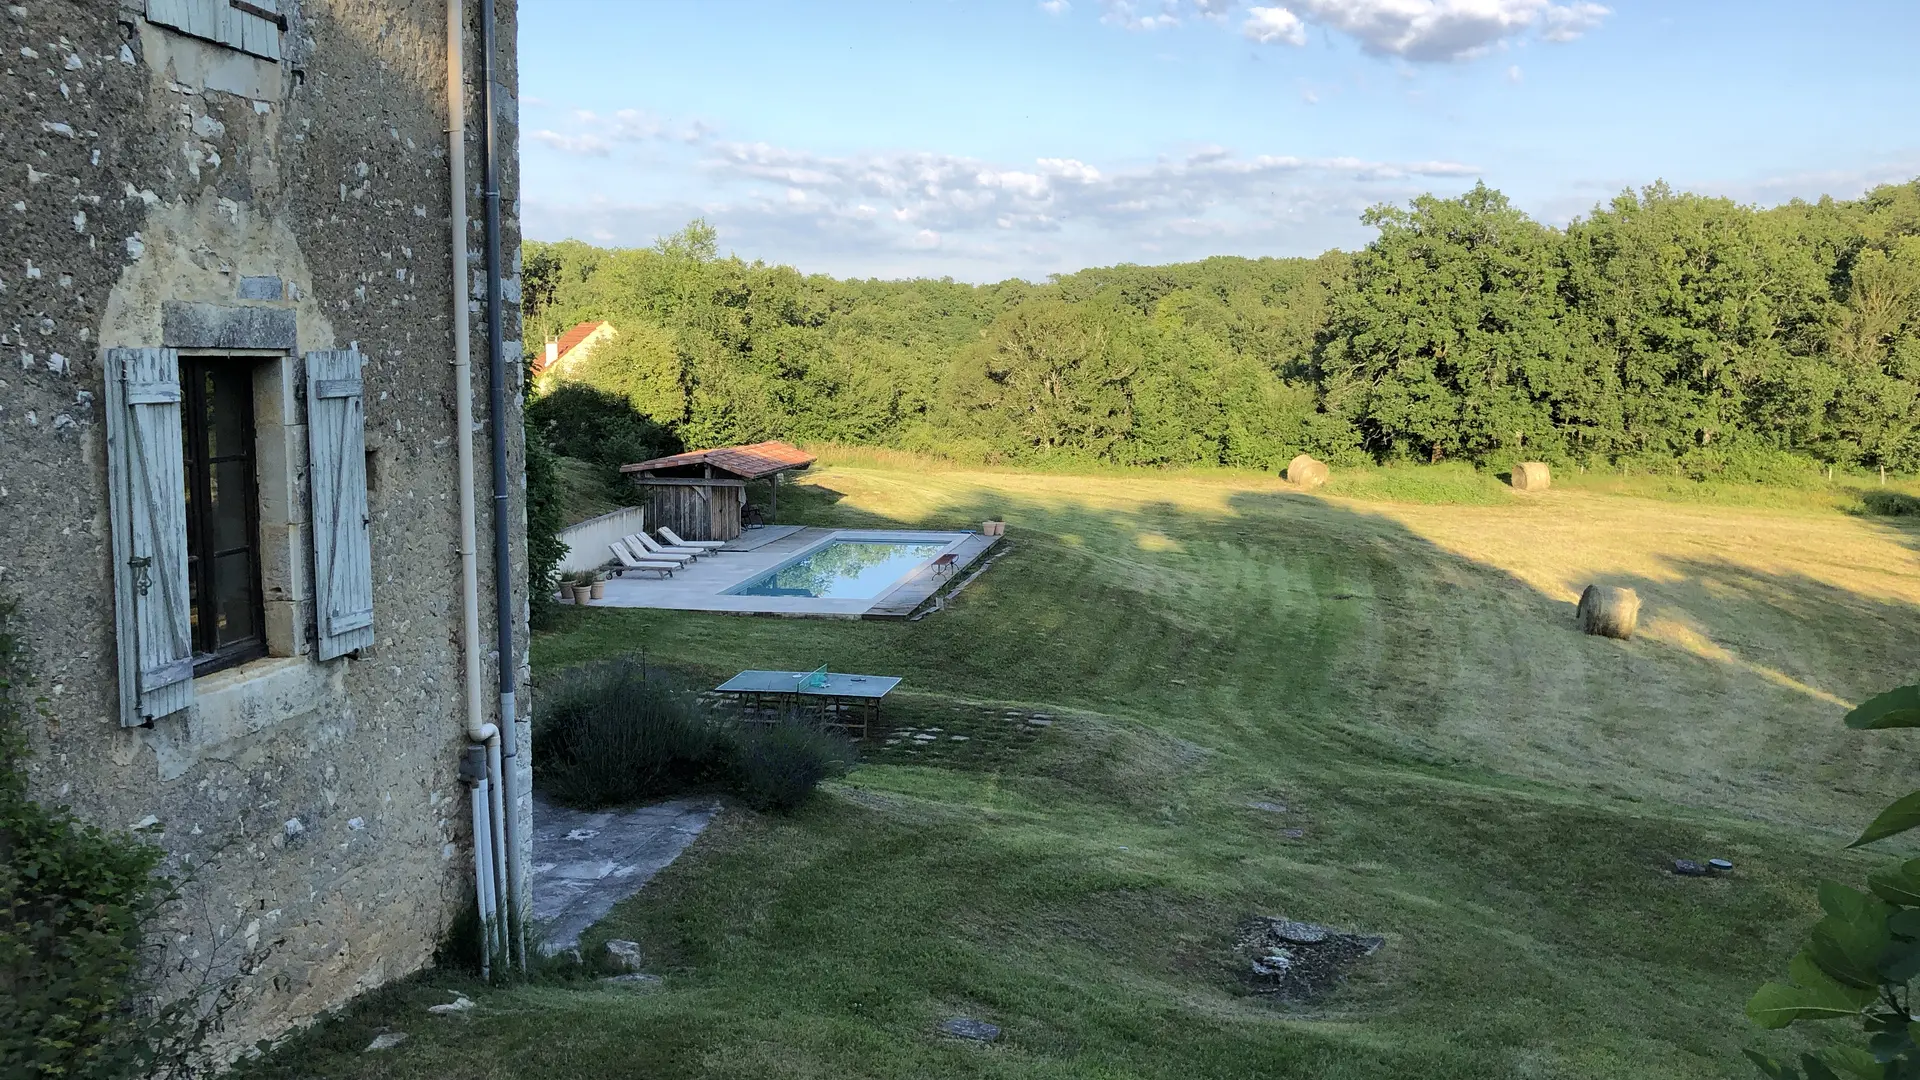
573,337
747,462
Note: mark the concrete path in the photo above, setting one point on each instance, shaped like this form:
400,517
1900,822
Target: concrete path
586,862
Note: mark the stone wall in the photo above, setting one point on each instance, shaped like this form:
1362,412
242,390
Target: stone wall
313,809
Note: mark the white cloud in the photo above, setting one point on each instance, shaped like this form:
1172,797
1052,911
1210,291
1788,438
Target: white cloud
588,145
596,135
1054,7
1268,25
918,212
1124,14
1514,74
1569,22
1449,30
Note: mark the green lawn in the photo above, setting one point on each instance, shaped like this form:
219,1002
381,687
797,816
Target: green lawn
1495,794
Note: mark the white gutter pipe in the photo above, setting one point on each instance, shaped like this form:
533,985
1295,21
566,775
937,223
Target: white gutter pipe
489,865
473,770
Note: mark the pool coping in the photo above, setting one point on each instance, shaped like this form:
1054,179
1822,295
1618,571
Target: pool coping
703,585
951,540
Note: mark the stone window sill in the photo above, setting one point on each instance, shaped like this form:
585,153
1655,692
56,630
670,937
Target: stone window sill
228,706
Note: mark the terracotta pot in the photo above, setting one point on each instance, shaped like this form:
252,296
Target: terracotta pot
581,593
599,590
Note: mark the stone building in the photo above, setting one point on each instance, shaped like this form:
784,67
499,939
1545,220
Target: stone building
230,464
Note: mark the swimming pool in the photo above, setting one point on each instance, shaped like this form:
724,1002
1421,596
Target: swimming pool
845,568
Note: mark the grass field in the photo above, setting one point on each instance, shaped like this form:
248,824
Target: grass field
1463,773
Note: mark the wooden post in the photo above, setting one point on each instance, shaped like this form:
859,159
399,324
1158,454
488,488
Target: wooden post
773,500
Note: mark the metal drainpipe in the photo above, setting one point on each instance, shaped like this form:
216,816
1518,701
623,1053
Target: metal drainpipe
502,536
489,874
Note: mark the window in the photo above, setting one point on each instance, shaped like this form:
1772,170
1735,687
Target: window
187,460
251,26
223,531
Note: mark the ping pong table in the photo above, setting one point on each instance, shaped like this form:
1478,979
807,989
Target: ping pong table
846,701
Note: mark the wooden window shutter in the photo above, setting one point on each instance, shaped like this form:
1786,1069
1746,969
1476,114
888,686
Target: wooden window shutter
147,497
342,550
252,26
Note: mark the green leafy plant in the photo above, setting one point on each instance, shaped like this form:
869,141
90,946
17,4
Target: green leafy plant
778,766
76,904
614,732
1861,958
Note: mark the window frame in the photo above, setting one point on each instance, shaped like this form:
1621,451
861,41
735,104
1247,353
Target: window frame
201,526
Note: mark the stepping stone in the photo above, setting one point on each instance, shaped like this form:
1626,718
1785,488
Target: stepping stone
386,1041
625,955
958,738
633,981
965,1027
1293,834
1269,807
460,1003
1037,722
1689,868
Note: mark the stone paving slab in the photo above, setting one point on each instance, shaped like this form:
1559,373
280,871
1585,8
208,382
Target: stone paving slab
587,861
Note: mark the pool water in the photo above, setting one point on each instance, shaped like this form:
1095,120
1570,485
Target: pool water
844,569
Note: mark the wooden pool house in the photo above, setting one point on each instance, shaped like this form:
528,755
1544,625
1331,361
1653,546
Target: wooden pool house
702,494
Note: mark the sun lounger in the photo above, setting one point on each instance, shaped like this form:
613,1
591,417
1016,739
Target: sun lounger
628,562
673,539
635,544
661,551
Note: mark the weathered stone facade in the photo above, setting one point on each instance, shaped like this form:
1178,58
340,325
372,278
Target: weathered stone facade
159,189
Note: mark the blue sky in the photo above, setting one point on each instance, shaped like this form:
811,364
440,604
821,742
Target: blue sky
984,140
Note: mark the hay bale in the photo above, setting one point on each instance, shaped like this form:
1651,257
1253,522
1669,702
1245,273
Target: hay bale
1531,476
1609,611
1305,472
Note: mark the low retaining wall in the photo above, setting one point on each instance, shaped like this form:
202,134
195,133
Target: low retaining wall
587,542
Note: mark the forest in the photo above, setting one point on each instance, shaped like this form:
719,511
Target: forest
1664,331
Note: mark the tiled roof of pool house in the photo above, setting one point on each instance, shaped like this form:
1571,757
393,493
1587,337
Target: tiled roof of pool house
753,462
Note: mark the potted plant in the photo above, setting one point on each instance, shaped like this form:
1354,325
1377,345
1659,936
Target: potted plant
598,585
582,587
993,527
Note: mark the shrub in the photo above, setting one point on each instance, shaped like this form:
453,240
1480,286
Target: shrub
609,733
613,732
1890,503
75,902
777,767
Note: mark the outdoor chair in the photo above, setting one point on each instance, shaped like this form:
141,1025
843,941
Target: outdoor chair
644,548
661,551
628,562
673,539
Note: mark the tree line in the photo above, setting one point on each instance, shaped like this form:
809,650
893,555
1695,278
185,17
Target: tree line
1665,330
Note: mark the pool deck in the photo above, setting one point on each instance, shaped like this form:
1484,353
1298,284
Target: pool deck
918,589
703,585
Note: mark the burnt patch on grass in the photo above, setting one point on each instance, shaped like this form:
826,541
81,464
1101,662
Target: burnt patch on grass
1294,961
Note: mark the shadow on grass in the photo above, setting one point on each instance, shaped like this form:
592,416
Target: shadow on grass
1462,770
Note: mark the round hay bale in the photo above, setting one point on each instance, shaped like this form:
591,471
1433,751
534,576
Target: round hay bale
1609,611
1531,476
1306,472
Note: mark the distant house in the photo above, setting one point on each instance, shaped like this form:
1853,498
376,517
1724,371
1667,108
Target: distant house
565,353
700,494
